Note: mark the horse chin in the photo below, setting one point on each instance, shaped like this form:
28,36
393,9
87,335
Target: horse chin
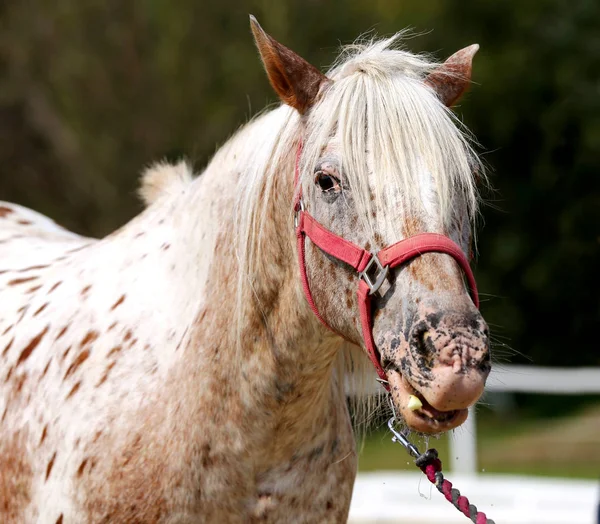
426,419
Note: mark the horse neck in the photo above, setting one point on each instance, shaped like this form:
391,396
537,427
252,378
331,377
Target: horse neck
277,362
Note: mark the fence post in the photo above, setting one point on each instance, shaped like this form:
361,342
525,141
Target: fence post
463,446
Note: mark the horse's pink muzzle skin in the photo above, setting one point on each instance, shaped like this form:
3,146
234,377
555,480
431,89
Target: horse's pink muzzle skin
444,361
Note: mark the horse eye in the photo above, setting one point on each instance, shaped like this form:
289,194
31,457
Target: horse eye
327,182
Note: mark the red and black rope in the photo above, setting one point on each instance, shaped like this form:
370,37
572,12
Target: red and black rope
431,465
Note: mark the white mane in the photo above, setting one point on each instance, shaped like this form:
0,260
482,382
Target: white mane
162,179
392,122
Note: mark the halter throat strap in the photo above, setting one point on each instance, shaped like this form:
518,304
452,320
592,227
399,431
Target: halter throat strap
372,268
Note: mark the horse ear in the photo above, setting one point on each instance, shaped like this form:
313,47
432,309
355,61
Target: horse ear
453,77
295,80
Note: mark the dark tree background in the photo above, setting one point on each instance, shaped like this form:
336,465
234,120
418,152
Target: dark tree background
90,92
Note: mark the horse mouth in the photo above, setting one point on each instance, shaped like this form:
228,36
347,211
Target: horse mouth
425,419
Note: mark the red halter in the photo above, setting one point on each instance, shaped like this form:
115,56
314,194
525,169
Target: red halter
372,268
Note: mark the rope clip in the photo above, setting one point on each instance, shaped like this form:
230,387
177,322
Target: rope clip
403,439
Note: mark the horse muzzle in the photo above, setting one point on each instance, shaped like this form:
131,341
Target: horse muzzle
443,362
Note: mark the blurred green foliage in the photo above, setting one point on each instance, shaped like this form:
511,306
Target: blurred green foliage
92,91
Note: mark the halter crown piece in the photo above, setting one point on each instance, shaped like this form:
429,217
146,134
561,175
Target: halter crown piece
372,268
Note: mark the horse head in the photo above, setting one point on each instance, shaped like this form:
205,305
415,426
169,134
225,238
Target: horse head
380,159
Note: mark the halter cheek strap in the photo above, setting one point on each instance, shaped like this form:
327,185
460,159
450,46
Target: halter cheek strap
372,268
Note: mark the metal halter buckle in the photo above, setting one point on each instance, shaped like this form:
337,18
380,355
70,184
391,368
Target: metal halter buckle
374,274
299,208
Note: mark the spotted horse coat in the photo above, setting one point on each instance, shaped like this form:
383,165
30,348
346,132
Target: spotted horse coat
105,416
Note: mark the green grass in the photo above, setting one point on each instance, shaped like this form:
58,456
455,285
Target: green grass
559,446
380,453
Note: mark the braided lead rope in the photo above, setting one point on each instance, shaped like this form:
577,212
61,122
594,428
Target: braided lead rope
431,465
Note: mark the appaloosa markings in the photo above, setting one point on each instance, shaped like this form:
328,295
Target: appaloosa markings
172,371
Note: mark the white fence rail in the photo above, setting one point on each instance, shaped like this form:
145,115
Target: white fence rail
533,379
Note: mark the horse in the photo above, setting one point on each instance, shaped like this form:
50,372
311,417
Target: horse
193,365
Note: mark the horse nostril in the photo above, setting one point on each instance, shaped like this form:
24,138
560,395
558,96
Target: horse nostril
485,364
424,343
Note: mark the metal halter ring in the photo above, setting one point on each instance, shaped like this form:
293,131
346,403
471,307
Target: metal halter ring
299,208
374,274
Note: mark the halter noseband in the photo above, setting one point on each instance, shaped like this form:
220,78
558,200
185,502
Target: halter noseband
372,268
